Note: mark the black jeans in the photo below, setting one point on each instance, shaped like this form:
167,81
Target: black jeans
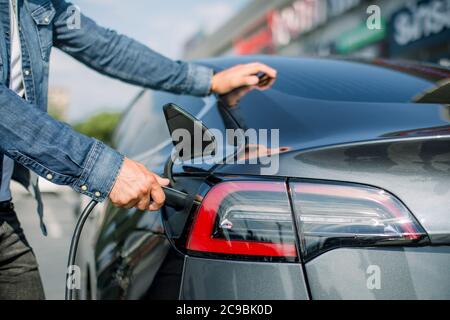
19,274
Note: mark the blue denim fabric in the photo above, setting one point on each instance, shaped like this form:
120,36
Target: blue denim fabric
50,148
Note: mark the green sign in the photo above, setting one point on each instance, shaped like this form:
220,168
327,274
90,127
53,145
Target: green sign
359,37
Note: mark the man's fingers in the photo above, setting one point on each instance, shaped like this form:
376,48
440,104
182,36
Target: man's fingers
144,202
226,81
265,84
247,74
131,204
254,68
155,198
251,81
154,207
158,197
135,187
162,181
242,81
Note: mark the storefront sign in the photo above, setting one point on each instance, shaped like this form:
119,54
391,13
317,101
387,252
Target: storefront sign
358,38
300,17
421,23
259,40
284,25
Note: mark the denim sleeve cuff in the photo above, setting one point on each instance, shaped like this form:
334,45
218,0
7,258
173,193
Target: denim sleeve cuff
100,172
199,78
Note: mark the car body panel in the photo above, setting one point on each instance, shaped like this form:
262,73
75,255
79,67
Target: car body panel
125,242
381,273
207,279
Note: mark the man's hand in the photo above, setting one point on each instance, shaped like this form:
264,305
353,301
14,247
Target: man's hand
239,76
135,186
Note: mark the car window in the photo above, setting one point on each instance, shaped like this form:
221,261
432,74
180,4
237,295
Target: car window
341,80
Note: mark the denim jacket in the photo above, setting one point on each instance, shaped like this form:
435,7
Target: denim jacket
49,148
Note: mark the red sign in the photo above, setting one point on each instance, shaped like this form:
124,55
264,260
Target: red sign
259,41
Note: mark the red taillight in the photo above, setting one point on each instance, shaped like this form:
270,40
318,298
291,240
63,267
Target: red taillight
246,219
254,219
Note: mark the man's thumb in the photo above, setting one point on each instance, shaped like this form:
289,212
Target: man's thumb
162,181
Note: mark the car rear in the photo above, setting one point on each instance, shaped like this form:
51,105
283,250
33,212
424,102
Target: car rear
358,209
309,239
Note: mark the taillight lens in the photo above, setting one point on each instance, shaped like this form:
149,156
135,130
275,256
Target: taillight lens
248,219
345,215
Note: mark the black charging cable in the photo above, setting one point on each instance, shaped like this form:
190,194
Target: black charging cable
74,245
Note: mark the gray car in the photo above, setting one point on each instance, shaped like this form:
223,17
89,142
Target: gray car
357,208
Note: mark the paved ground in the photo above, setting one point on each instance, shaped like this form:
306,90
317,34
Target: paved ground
51,251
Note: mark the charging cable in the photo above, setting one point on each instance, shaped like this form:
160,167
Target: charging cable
74,246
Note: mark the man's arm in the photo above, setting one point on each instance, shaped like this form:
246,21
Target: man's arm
54,150
125,59
57,153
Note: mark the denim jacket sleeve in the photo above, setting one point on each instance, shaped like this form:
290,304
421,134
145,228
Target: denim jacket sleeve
125,59
53,150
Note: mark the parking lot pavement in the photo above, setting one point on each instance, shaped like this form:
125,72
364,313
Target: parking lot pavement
51,251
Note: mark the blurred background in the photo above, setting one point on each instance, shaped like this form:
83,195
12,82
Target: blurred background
194,29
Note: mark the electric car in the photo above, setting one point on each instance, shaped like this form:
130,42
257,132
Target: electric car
343,194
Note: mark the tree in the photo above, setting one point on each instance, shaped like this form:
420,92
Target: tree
99,126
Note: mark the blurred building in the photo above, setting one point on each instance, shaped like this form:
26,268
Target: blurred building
410,29
58,102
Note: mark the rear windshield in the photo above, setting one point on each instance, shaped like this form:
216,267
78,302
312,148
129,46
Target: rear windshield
341,80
